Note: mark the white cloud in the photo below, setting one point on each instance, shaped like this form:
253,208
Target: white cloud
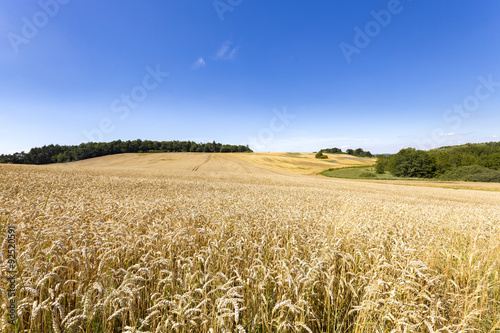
223,50
448,134
199,63
226,51
233,53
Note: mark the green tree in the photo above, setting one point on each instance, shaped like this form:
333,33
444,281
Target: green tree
334,150
320,155
382,161
410,162
358,152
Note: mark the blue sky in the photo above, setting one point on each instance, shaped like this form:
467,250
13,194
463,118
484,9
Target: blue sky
277,75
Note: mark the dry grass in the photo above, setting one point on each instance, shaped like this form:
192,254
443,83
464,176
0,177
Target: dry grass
117,250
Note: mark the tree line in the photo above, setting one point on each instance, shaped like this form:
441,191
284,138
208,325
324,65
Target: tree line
60,154
472,161
356,152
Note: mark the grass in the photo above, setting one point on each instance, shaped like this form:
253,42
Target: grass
368,173
122,250
360,173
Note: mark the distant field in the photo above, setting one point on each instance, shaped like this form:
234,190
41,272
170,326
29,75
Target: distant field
298,163
303,163
345,166
358,173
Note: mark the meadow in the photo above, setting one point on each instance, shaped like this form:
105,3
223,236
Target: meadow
368,174
111,248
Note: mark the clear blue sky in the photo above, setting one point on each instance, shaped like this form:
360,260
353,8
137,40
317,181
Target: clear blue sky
278,75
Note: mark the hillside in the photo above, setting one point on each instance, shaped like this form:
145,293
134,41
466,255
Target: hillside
470,162
62,154
251,163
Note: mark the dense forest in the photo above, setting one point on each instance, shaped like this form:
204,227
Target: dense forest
356,152
469,162
60,154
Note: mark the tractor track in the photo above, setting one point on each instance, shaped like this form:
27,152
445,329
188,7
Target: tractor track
203,163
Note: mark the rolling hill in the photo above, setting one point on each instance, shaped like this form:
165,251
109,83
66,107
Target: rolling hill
256,163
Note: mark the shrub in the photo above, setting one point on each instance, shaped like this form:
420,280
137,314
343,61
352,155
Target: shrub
472,173
367,174
320,155
382,161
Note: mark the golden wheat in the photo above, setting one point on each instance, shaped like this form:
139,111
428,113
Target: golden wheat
146,251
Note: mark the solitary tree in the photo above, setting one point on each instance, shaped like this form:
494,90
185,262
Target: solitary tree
320,155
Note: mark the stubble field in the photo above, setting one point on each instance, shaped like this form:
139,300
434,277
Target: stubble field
134,249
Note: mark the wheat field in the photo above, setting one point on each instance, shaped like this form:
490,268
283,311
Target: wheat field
148,250
269,163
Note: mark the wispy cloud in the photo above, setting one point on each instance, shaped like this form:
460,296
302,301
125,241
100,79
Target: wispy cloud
223,50
226,51
199,63
456,134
